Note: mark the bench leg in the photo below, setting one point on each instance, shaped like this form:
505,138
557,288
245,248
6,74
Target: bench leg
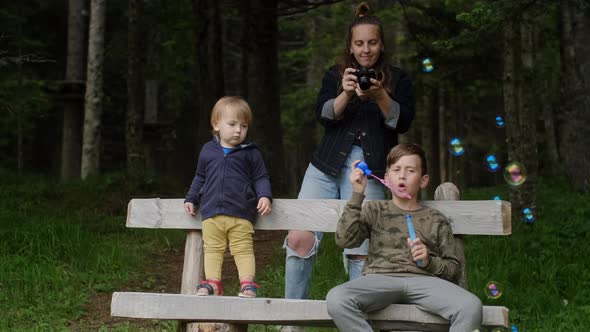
192,274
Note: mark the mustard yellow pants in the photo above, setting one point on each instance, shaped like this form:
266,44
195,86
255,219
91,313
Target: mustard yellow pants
217,233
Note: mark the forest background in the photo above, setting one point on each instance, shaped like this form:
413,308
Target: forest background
129,86
94,88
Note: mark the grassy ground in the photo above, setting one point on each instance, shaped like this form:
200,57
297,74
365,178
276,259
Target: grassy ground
543,266
62,244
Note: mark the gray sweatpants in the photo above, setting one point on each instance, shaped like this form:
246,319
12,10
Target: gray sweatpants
347,303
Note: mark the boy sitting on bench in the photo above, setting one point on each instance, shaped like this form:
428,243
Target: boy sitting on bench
421,271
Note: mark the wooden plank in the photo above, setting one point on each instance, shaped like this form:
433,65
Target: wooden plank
466,217
273,311
191,271
449,192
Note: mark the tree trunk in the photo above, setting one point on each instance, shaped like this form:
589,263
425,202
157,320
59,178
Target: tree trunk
71,143
134,130
511,98
549,162
442,130
245,47
552,165
263,88
527,129
209,79
576,108
427,136
460,117
94,90
521,131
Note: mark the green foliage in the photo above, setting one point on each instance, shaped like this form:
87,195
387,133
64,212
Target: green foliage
22,101
173,49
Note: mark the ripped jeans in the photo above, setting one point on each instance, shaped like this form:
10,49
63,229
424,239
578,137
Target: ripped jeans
317,185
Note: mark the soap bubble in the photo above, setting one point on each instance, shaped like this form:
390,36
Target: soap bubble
528,215
500,121
493,290
427,65
456,147
491,163
513,328
515,173
497,198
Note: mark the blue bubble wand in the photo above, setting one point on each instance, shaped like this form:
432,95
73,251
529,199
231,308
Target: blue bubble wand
412,233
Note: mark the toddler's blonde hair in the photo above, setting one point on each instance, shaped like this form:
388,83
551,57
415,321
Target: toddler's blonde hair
232,104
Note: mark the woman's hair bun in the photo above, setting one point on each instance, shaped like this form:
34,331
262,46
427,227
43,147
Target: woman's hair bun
362,9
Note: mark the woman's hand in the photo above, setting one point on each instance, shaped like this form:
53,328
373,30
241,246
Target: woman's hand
375,91
350,82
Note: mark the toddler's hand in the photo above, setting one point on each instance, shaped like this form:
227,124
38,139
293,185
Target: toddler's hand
419,250
189,208
264,206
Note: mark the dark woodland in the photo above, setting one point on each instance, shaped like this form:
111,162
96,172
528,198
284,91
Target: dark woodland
94,87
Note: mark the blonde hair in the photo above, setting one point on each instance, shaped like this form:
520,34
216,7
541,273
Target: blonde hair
234,104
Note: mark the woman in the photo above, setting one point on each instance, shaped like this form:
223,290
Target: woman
359,125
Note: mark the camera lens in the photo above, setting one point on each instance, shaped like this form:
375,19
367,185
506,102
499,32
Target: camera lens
364,82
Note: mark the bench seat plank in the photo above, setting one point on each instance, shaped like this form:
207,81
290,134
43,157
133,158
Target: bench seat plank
466,217
275,311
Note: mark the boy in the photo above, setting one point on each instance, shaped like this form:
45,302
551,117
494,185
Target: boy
399,270
230,186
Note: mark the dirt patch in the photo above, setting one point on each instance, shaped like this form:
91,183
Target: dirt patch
163,274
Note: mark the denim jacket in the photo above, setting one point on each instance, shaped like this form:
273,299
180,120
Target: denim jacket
361,119
229,184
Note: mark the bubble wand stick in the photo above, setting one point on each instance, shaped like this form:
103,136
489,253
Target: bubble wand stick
412,233
365,168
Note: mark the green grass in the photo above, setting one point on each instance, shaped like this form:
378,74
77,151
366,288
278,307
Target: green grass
62,243
543,267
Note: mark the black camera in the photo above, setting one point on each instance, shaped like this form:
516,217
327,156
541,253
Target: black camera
364,76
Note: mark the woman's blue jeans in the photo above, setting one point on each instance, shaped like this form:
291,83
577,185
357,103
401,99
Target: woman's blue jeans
317,185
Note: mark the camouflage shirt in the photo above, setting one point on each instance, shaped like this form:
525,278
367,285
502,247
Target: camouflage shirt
383,223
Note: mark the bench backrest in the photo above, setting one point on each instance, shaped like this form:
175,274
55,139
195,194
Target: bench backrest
466,217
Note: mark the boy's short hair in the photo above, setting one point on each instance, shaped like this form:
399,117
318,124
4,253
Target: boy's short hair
234,103
407,149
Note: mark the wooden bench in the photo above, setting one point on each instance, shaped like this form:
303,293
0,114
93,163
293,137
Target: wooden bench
466,217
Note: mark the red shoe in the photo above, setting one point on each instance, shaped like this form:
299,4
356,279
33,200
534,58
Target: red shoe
208,285
248,286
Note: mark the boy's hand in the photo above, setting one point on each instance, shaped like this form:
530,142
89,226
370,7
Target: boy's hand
189,208
264,207
419,251
357,178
